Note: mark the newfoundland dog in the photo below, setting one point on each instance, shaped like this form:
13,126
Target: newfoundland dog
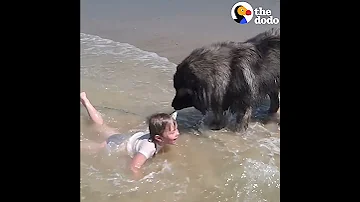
233,76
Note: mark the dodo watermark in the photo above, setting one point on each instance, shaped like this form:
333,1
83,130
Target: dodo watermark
242,13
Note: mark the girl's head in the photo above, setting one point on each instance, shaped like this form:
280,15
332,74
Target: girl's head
163,128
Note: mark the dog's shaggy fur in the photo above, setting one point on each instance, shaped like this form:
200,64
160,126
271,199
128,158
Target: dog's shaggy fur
230,75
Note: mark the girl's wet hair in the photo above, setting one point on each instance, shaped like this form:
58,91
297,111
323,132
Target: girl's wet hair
158,123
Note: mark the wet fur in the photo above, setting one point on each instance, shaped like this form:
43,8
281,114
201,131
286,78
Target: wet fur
230,75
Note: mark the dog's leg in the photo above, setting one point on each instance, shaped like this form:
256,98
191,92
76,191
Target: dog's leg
274,102
199,123
219,120
243,119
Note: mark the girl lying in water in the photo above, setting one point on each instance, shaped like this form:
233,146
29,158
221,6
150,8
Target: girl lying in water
140,146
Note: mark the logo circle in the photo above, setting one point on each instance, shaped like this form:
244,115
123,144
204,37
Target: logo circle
242,12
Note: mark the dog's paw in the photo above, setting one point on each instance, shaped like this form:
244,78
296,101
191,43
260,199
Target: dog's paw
241,127
215,125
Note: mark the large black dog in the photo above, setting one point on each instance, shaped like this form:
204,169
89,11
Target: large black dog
230,75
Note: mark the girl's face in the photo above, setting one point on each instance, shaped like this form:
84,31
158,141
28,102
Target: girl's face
170,134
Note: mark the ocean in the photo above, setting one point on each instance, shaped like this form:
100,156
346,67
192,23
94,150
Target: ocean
129,53
126,84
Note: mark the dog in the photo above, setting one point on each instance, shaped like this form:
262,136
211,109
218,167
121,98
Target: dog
229,75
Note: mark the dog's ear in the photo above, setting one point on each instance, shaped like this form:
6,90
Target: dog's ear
174,115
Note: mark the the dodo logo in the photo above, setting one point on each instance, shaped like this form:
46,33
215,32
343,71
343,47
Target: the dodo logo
242,12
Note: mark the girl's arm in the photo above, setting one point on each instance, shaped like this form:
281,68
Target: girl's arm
145,152
136,164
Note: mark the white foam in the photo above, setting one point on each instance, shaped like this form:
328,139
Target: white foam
93,45
122,182
272,144
258,175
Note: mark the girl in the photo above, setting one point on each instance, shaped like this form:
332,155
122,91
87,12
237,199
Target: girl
141,146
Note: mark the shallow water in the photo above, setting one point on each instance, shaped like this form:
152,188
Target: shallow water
127,84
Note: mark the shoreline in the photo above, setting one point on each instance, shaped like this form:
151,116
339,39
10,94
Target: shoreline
169,33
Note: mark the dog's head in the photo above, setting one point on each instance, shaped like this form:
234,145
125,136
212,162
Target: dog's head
183,99
186,92
190,84
183,85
